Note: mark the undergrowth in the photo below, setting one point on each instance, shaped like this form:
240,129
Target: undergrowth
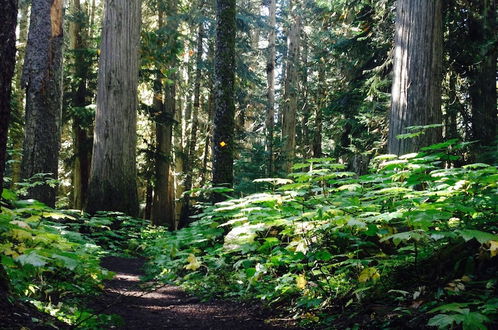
411,244
52,258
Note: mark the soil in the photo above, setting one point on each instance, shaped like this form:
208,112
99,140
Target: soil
169,307
17,315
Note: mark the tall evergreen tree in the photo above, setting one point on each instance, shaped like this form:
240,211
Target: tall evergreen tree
270,77
163,208
291,90
16,125
416,92
8,17
224,118
113,182
42,78
482,89
82,141
188,166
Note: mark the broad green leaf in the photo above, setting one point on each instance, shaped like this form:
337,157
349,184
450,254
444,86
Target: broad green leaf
444,321
33,259
481,236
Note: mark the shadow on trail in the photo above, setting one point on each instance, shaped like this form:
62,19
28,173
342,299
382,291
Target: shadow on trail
169,307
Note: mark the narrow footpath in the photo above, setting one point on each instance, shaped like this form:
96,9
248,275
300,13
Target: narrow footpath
169,307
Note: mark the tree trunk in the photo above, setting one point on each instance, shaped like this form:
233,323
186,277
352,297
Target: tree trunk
42,78
16,131
270,78
209,128
188,166
291,92
209,123
224,118
82,142
178,157
416,93
149,198
163,210
452,109
113,182
306,141
482,88
8,17
317,136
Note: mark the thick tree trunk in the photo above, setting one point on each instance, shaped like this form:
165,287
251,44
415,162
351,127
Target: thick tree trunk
8,17
291,92
42,78
224,118
482,88
113,183
416,93
270,78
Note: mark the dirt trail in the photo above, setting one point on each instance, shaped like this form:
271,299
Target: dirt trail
169,307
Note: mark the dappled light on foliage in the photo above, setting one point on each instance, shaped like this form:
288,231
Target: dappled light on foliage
331,238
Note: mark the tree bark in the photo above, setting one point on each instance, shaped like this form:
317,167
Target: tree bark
8,17
416,92
210,111
452,109
163,209
270,78
163,213
224,118
306,140
322,94
16,130
149,198
82,141
291,92
42,78
113,183
482,89
192,142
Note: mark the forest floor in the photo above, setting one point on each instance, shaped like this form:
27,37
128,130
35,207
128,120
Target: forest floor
154,306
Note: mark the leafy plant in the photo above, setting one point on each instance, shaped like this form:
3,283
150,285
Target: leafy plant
325,237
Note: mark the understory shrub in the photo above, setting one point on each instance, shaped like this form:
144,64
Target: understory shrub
414,234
